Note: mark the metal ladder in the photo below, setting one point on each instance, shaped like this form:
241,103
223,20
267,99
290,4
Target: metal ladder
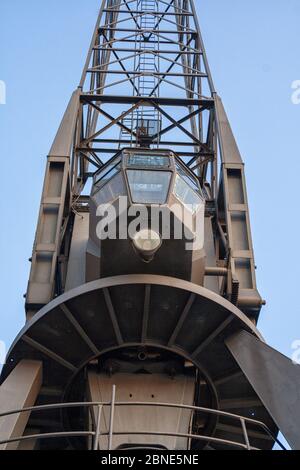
146,121
147,61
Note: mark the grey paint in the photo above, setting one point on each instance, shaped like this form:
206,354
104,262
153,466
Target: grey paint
19,390
210,282
154,388
242,289
77,257
63,142
229,148
276,380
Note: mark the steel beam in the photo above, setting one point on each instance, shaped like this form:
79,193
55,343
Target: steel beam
19,390
275,379
207,103
55,202
233,202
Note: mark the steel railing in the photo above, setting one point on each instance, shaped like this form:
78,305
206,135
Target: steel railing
96,434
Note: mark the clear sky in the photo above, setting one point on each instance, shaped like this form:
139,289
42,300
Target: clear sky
252,48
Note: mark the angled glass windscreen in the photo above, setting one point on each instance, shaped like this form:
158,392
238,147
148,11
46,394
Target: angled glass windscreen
188,178
113,189
106,173
149,187
184,192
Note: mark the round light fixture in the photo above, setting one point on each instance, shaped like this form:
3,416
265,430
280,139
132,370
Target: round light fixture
147,242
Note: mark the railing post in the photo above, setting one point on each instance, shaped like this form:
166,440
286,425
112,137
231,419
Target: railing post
243,423
98,428
112,415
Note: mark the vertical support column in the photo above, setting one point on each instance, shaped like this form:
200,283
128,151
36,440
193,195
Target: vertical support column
20,390
242,287
48,235
54,209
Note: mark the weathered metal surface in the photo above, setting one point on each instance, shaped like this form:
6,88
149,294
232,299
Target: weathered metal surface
141,387
63,142
19,390
54,212
276,380
233,206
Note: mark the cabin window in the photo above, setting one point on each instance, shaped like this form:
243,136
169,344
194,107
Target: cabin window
189,179
148,161
149,187
187,195
106,173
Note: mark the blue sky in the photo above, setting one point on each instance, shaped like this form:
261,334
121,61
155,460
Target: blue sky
252,48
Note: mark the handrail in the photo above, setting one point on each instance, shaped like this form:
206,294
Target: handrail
126,433
86,404
112,404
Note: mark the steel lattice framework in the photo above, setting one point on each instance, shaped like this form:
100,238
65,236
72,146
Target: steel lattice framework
146,83
143,53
